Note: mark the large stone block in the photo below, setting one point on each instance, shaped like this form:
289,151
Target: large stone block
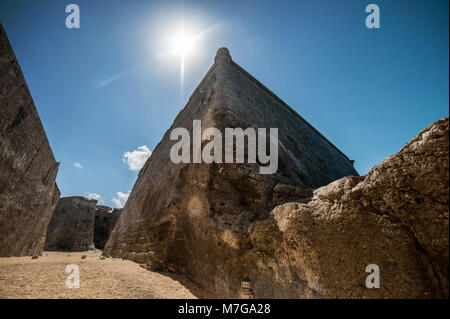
395,217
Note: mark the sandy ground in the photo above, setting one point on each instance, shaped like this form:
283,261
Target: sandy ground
45,277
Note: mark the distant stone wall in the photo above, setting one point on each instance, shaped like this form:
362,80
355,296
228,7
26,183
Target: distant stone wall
105,220
79,224
72,225
28,169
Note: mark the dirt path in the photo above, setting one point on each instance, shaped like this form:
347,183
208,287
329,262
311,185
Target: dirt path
45,277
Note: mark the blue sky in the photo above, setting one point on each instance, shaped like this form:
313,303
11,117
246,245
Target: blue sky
106,89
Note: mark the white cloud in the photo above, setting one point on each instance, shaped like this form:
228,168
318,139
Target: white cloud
96,197
137,158
77,165
120,200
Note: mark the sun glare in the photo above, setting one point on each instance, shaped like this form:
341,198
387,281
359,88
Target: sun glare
182,44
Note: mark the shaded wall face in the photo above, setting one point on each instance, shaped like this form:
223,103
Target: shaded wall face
105,220
305,157
27,166
72,225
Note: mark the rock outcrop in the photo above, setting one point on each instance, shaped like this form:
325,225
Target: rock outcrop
28,192
396,217
194,218
105,220
72,225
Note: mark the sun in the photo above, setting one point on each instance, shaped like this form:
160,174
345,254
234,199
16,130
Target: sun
182,44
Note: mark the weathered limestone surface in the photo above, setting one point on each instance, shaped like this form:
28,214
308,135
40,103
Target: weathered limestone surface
194,218
28,192
72,225
396,216
105,220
